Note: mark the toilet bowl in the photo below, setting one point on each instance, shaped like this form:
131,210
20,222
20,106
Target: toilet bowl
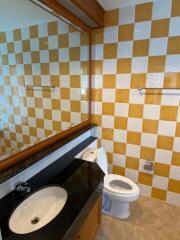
118,190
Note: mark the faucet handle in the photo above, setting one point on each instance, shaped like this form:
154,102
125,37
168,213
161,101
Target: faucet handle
22,187
24,183
21,184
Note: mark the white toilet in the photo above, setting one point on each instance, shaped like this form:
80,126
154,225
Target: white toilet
118,190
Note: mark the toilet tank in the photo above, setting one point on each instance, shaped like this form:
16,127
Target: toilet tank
102,160
97,155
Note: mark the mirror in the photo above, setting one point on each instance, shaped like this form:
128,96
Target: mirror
44,75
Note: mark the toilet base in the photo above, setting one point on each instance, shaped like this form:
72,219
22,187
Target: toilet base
115,208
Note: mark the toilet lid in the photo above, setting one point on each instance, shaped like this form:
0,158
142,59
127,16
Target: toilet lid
120,185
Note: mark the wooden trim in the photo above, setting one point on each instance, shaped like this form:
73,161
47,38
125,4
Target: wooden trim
99,5
61,10
20,156
100,208
92,9
90,72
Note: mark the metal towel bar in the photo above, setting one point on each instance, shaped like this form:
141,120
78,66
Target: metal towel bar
40,87
156,88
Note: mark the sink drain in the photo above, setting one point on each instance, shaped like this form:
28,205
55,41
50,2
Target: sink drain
35,220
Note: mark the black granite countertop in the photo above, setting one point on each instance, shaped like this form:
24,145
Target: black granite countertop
83,183
12,171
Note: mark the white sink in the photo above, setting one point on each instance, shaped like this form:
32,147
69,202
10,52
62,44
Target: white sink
38,210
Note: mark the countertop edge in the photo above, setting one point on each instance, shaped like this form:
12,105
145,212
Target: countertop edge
78,222
14,170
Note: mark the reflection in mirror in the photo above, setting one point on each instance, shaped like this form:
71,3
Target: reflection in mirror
43,75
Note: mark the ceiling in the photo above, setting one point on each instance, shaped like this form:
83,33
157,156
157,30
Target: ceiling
113,4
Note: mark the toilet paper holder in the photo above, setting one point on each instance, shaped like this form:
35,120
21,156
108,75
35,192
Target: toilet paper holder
148,165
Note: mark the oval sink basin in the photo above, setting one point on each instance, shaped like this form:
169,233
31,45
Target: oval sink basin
38,210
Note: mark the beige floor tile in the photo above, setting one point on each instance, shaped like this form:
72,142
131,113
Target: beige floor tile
144,234
98,238
118,229
105,222
150,219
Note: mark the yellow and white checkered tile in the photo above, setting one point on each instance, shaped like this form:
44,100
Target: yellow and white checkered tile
52,53
140,47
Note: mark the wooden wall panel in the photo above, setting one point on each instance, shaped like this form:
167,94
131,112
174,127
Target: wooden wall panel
62,11
92,9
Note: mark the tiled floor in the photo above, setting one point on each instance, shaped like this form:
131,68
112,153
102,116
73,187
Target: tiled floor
150,219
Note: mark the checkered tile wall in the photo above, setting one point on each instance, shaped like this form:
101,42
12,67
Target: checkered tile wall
49,54
140,47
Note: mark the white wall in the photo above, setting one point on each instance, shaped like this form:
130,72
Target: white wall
21,13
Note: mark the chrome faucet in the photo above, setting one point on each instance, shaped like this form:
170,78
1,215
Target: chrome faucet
22,187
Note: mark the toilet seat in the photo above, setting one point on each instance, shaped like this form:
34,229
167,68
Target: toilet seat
120,185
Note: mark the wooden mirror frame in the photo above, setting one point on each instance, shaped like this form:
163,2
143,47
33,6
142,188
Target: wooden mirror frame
17,157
